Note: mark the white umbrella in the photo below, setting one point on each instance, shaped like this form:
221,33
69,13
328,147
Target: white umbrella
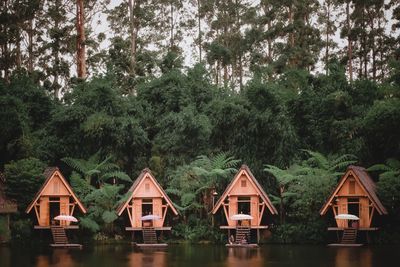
240,217
347,217
150,217
68,218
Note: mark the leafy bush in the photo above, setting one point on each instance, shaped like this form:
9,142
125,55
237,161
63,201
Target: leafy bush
23,179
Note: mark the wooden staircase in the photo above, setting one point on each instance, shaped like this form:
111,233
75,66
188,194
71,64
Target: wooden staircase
59,235
149,235
242,232
349,236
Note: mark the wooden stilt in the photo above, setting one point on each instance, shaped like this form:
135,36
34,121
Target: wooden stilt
258,236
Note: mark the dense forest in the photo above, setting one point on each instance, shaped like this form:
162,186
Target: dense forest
297,90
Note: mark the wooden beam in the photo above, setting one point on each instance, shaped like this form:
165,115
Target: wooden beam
72,209
371,215
226,213
261,214
164,215
37,212
128,209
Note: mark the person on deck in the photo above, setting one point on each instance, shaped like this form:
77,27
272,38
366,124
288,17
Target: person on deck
231,240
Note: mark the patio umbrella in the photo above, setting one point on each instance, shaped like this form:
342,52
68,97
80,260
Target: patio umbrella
150,217
68,218
240,217
347,217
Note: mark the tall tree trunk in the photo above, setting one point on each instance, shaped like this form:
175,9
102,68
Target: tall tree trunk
172,42
365,48
373,51
199,27
349,42
56,56
328,26
18,54
80,40
30,46
134,6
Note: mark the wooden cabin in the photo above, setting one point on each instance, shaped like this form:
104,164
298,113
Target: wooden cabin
54,198
146,197
355,194
7,207
245,195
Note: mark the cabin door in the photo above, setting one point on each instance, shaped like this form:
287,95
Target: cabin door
54,208
244,207
353,207
147,209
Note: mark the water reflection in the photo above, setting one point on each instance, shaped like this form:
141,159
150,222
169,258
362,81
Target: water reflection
58,258
147,258
352,257
244,257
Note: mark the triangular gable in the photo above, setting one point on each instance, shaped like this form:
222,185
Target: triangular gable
146,173
366,183
244,170
49,174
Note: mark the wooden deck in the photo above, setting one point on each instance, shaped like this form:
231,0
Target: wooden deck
251,227
69,227
358,229
152,246
344,245
165,228
242,245
66,246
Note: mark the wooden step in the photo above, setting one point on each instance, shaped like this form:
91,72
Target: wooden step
59,235
242,232
149,235
349,236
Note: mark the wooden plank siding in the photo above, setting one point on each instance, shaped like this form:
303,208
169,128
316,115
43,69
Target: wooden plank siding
55,190
146,189
244,188
355,187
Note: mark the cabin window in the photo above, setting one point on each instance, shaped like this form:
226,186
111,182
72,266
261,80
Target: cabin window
352,186
243,183
147,187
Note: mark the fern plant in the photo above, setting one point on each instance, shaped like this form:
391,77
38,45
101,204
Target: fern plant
97,171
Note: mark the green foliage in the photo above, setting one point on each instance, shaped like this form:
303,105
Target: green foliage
21,230
194,183
195,230
23,179
388,186
4,231
97,171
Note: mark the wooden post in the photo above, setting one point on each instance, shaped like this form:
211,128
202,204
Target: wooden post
258,235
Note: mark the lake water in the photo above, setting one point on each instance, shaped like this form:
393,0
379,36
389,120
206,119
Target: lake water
202,256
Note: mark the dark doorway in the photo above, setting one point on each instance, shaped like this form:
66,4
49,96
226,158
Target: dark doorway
353,207
147,207
54,210
244,205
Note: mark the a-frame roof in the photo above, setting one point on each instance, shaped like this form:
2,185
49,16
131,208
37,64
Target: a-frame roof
366,182
49,174
143,174
246,171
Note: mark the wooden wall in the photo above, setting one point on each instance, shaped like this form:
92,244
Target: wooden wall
243,187
352,191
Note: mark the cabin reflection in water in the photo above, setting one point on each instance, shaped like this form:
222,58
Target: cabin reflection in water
58,257
238,257
353,257
147,259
